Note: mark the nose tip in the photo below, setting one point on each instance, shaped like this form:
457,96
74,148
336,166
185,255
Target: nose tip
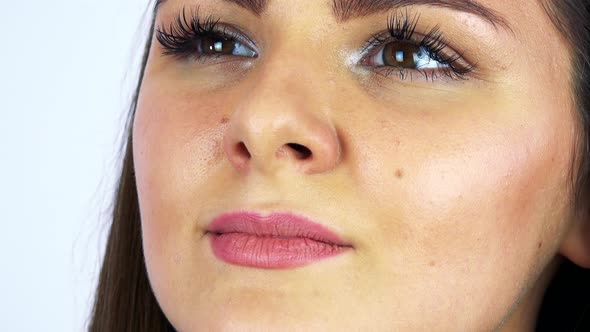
310,146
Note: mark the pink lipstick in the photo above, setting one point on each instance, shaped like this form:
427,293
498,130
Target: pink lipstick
277,241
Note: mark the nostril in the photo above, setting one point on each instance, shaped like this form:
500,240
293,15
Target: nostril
301,151
243,150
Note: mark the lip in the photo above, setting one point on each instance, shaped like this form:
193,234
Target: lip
277,241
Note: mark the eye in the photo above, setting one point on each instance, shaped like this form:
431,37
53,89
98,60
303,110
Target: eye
403,51
213,45
203,39
404,55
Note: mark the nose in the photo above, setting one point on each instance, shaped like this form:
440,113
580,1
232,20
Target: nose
278,124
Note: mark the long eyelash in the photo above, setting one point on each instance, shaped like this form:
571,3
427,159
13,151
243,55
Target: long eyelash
434,42
182,36
402,27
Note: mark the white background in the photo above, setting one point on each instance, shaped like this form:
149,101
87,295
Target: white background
67,70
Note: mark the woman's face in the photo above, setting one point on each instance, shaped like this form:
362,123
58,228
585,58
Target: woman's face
441,156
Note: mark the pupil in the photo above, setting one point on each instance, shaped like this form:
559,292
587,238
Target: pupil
216,46
400,54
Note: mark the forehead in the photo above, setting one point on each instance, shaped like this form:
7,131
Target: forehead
497,12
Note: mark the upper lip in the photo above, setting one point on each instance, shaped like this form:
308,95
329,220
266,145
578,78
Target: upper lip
277,224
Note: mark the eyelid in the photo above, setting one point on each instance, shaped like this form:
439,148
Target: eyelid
383,38
451,56
179,36
230,30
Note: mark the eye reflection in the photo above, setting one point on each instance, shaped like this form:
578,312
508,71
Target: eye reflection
216,46
212,45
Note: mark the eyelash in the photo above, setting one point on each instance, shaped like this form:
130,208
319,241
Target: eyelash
183,35
401,28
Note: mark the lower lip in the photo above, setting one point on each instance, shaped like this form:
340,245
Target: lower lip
270,252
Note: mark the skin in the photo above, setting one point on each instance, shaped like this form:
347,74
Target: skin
456,195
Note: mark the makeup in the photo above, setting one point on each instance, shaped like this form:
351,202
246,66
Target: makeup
276,241
399,50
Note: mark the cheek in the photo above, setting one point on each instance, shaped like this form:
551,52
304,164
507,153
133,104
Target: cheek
176,148
505,163
492,188
475,201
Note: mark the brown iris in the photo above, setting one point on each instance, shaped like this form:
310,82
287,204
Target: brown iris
212,45
400,54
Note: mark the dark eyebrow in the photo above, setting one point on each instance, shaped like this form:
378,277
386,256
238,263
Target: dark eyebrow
348,9
255,6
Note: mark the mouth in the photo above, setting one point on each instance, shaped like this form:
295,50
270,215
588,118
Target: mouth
277,241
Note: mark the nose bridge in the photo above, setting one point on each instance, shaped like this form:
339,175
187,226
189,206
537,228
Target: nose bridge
283,119
291,75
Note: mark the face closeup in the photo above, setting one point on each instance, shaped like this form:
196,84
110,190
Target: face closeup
434,138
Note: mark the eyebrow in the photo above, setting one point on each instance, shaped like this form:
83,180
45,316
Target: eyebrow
345,10
348,9
254,6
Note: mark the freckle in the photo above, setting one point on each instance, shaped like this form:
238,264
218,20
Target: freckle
224,120
177,259
399,173
432,263
316,293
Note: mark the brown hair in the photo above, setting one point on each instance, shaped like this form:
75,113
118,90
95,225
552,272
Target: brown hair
572,17
124,300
